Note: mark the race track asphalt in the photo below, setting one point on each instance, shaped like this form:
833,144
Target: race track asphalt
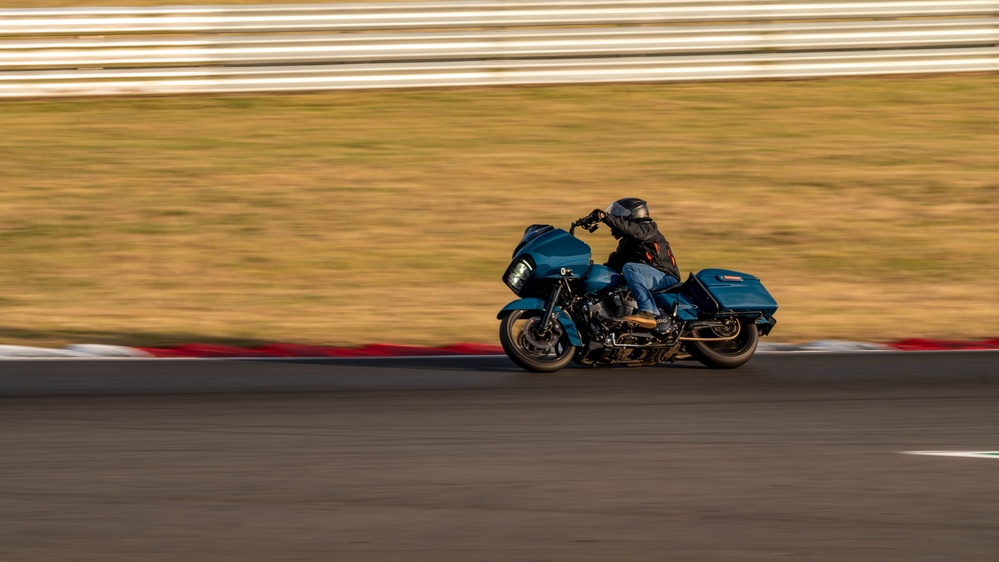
792,457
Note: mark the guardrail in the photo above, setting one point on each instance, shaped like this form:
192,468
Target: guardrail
210,49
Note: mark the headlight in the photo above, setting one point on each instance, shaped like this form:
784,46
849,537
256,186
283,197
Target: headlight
518,275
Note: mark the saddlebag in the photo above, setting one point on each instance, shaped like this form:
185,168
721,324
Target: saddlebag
720,291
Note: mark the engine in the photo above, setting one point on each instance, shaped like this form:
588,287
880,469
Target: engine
614,304
611,340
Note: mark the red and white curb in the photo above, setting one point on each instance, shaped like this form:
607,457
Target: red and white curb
78,351
288,350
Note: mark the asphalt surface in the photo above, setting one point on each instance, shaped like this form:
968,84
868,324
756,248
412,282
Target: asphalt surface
792,457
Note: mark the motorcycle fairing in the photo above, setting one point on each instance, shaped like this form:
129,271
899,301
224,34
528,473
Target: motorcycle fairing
531,233
599,277
537,304
555,250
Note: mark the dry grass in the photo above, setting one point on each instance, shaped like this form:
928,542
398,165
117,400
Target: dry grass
868,206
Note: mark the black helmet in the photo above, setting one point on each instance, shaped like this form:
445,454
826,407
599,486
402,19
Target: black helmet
630,208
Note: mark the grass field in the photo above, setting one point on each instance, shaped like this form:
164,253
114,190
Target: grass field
868,207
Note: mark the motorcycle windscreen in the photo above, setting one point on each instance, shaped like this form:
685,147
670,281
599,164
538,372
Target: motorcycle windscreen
732,291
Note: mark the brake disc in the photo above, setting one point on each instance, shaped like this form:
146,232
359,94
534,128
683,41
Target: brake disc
532,337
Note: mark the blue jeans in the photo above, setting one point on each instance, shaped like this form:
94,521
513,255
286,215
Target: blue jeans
642,280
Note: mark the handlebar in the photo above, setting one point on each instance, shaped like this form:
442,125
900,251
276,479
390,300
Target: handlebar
586,223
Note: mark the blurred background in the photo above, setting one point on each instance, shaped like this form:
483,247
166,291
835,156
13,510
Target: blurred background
866,204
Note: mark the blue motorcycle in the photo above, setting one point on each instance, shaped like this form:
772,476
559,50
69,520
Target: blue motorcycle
570,309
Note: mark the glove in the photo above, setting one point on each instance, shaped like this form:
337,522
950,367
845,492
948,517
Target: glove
589,221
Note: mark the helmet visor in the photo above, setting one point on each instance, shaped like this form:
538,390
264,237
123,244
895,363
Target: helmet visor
618,210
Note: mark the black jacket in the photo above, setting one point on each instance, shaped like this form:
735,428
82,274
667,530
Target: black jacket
640,242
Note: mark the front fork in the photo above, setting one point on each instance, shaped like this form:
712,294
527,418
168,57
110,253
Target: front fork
549,314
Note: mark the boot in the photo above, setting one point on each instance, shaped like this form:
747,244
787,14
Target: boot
641,319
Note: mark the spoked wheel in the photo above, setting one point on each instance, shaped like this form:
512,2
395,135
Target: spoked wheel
727,354
534,351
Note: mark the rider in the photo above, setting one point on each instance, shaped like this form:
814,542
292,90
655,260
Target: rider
643,255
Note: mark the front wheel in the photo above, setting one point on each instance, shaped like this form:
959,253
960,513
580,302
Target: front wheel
536,352
724,354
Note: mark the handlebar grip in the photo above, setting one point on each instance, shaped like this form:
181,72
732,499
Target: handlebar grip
587,223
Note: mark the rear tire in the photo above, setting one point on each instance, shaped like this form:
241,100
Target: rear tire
516,339
725,354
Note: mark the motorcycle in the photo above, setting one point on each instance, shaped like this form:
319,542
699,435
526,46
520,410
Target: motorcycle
570,309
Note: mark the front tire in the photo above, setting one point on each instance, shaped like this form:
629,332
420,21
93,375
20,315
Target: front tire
725,354
531,351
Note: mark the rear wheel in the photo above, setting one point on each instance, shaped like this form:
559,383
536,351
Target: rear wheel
727,354
534,351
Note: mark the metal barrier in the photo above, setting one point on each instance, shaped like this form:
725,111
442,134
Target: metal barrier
204,49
